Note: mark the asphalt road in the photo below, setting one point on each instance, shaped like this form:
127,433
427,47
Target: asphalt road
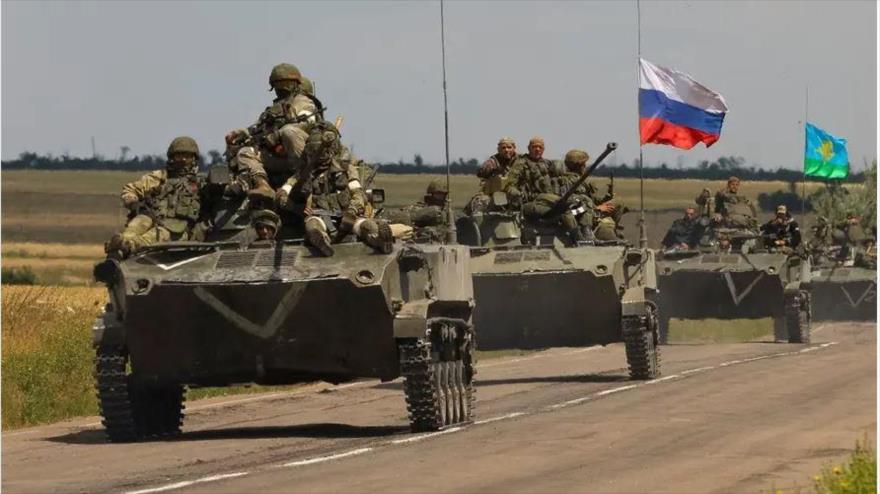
725,418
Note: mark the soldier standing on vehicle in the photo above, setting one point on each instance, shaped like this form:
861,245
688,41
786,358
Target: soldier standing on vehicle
276,142
328,194
782,231
731,210
684,233
165,204
491,174
529,175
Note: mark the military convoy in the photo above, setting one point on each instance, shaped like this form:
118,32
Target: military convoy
223,313
535,289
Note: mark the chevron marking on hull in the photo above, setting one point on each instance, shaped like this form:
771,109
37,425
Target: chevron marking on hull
737,298
855,303
282,310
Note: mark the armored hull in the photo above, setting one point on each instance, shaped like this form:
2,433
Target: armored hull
216,314
844,293
532,297
695,285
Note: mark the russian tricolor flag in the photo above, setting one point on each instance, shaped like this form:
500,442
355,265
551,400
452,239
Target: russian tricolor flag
677,110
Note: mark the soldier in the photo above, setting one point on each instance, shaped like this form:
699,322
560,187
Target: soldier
427,220
327,188
529,175
165,204
601,213
731,209
724,244
276,142
782,231
685,232
499,163
266,224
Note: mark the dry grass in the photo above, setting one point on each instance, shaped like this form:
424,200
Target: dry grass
47,354
719,330
90,252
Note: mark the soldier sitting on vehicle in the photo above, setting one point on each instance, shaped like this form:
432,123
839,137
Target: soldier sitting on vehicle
685,232
491,174
164,205
328,195
730,209
782,232
597,216
424,221
266,224
275,143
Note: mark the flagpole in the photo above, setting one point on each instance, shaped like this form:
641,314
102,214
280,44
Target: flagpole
643,234
806,120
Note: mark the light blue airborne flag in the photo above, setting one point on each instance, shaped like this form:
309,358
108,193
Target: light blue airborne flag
825,155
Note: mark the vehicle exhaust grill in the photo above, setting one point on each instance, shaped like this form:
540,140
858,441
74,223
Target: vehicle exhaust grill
236,260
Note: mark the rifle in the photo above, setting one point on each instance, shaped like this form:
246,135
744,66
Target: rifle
560,204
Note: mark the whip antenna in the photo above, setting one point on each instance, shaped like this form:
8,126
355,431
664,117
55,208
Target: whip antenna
451,233
643,234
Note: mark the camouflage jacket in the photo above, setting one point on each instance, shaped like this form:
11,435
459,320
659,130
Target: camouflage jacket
335,189
527,178
683,231
175,201
494,166
430,222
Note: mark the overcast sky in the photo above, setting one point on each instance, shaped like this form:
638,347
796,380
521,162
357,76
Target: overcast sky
138,74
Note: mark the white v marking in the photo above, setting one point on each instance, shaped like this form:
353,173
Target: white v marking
856,303
282,310
730,286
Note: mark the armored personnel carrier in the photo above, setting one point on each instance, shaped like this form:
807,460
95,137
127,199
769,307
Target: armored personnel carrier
223,313
844,288
535,289
742,284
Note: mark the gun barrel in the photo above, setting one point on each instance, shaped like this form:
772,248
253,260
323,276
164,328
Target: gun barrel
609,148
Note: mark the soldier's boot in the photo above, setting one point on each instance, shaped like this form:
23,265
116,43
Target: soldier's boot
376,234
261,194
317,237
117,248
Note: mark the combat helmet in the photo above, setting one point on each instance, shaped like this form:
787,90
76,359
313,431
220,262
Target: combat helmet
307,86
323,143
437,187
284,72
576,159
183,144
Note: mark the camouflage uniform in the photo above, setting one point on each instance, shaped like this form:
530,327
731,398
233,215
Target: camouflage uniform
428,219
328,188
265,223
285,127
683,231
604,226
491,174
735,210
165,204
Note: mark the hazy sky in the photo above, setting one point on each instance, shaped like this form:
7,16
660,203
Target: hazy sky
138,74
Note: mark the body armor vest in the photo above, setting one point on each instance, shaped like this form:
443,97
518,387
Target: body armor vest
177,202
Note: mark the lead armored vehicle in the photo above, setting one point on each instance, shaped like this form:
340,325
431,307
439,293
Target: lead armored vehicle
741,284
223,313
534,288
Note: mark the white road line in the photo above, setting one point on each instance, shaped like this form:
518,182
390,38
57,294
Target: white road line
500,417
187,483
322,459
422,437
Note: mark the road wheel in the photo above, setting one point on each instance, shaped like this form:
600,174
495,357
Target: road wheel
132,411
641,338
439,377
798,317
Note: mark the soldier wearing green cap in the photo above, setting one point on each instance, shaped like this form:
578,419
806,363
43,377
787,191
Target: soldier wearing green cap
275,144
266,224
327,193
164,205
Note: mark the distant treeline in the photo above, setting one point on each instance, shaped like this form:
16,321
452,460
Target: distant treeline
719,169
